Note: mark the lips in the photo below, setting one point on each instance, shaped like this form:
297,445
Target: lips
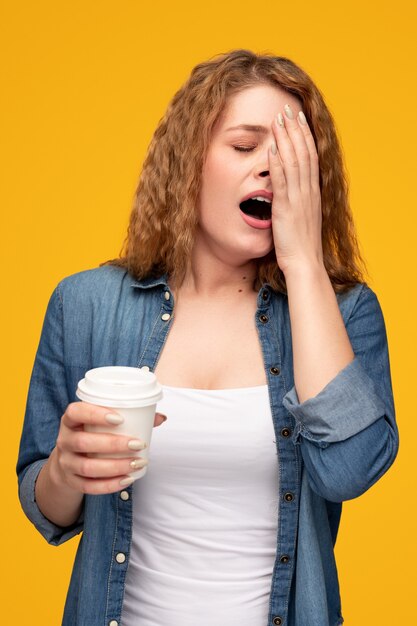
256,208
263,193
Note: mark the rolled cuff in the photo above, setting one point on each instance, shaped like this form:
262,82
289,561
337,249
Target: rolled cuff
345,406
55,535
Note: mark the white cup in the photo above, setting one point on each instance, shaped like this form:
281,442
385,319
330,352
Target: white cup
133,392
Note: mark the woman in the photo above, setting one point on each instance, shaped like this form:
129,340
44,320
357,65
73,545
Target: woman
240,286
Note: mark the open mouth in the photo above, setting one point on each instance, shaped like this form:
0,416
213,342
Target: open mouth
258,208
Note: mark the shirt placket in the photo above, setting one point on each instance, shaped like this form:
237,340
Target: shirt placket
124,499
288,461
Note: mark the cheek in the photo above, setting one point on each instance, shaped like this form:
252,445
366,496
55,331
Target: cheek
214,175
221,165
219,187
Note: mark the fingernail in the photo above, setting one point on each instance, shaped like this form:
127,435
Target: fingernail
288,112
113,418
136,444
274,148
127,481
302,117
138,463
280,119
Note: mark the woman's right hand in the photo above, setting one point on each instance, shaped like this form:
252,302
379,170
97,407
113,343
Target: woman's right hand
71,471
73,461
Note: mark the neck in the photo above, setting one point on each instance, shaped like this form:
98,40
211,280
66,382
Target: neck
208,276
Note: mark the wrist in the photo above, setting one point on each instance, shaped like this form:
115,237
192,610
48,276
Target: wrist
52,471
305,269
55,476
57,501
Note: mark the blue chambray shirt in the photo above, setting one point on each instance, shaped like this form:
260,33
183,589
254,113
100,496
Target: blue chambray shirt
330,448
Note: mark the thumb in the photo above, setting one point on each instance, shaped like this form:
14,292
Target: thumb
160,418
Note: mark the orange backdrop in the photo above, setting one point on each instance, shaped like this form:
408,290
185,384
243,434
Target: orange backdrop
85,84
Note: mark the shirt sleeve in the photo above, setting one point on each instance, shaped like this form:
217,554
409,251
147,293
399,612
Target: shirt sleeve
47,400
347,432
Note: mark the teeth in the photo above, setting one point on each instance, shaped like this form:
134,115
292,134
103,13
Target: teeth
261,199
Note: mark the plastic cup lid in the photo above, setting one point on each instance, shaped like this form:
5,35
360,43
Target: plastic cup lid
119,386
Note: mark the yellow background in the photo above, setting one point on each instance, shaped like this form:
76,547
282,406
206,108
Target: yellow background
84,85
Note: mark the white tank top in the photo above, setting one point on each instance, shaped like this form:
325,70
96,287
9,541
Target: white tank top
205,515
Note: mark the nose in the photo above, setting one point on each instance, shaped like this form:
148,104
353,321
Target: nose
262,164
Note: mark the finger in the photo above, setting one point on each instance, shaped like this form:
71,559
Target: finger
81,441
78,414
87,467
287,154
300,148
100,486
160,418
311,146
276,172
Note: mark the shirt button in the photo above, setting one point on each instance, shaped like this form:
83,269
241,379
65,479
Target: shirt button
265,295
275,371
124,495
120,557
285,558
288,497
113,623
277,621
165,317
286,432
167,295
263,318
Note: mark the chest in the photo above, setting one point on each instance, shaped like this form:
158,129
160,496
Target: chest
212,346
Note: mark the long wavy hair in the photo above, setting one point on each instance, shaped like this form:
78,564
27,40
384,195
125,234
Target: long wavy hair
164,216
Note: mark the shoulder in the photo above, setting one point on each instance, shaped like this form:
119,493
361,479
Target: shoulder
94,281
364,319
103,290
102,286
350,302
360,298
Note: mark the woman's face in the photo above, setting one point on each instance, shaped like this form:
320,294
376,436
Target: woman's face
237,166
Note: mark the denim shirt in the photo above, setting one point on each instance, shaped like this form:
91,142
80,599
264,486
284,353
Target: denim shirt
331,448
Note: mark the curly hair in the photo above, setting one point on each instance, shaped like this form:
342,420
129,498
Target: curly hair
164,216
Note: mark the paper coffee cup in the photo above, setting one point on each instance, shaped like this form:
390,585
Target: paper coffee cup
130,391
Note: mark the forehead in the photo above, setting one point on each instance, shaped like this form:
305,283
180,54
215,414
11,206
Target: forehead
255,105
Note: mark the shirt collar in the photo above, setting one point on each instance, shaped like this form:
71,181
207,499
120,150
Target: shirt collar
150,282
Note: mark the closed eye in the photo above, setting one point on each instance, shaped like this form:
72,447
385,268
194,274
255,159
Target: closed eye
244,148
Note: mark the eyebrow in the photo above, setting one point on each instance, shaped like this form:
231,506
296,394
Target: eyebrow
250,127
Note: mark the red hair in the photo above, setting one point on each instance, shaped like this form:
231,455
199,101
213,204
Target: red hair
164,215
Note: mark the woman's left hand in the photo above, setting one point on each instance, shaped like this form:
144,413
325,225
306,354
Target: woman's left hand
296,205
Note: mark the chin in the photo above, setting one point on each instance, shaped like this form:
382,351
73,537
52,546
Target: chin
260,251
256,254
269,256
